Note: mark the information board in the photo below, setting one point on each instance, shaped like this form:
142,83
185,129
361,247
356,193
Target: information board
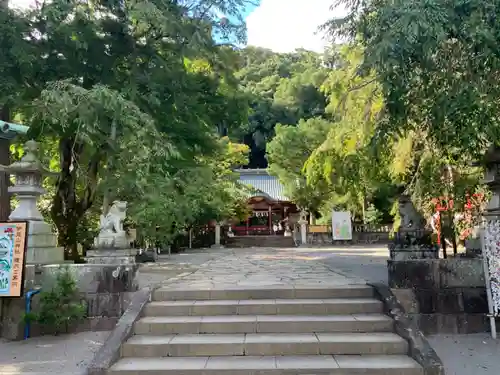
341,225
13,238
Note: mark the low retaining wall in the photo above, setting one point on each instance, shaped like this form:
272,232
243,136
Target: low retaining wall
418,346
442,295
357,238
109,353
106,289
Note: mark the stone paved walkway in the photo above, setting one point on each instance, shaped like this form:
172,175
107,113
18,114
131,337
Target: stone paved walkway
261,267
68,354
50,355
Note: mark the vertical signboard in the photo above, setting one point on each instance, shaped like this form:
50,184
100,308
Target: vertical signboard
341,225
13,238
491,261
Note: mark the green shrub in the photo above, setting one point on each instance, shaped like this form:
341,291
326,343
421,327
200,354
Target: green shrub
60,306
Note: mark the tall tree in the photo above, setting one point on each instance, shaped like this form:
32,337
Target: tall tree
16,76
121,84
287,153
282,88
435,62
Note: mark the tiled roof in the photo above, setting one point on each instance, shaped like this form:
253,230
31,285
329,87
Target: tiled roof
263,183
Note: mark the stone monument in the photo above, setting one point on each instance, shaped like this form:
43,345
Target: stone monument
112,244
29,172
411,220
303,227
412,241
217,244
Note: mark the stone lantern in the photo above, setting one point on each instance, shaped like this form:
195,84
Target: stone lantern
491,163
29,172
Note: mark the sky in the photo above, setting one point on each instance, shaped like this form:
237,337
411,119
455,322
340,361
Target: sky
280,25
285,25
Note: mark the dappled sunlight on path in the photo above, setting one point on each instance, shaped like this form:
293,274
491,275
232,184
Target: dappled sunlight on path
258,267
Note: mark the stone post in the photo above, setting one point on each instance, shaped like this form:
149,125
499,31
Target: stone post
217,244
303,228
29,172
288,232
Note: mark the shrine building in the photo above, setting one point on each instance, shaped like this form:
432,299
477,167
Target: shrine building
268,203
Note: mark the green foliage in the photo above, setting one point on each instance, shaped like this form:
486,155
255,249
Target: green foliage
435,62
287,153
372,215
282,88
60,306
127,98
193,194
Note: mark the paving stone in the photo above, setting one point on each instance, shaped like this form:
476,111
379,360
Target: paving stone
383,365
264,312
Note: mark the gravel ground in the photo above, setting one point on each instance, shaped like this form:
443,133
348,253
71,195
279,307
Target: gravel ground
50,355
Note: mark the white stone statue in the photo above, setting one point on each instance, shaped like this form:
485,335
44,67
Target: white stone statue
112,234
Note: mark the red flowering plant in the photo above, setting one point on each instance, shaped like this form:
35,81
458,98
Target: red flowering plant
9,231
464,217
469,218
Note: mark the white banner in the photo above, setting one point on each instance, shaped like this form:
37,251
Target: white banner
491,258
341,225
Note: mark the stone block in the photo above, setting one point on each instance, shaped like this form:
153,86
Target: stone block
449,301
111,256
475,300
461,272
473,323
427,300
407,299
411,273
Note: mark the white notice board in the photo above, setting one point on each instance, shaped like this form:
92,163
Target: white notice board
341,225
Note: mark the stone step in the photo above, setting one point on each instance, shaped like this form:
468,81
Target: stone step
256,344
162,325
265,307
269,365
271,292
260,241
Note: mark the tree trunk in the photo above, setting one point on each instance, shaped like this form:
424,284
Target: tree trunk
4,177
67,237
67,209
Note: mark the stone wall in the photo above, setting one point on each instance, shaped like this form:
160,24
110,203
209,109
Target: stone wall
443,295
107,290
380,237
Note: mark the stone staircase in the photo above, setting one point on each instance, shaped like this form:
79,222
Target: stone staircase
302,331
260,241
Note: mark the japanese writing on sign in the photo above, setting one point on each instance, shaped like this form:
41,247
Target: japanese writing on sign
13,238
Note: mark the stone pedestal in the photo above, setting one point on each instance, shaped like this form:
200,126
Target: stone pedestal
111,256
303,232
42,245
217,244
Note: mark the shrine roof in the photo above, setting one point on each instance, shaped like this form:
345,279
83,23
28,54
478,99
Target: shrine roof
262,183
